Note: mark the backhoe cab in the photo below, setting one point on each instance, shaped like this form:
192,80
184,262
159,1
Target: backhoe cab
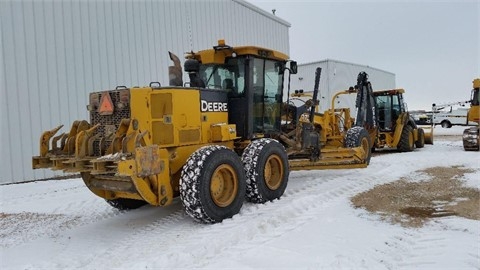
396,126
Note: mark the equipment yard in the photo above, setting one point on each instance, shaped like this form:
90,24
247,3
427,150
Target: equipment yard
425,204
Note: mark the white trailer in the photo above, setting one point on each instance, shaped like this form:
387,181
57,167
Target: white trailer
337,76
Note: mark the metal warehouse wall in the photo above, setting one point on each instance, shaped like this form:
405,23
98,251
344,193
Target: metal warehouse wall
337,76
53,53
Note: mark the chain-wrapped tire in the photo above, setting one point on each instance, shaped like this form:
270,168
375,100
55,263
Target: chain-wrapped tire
212,184
266,169
358,137
420,143
126,204
471,140
407,142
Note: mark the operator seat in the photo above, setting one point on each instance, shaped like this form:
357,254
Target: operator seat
227,85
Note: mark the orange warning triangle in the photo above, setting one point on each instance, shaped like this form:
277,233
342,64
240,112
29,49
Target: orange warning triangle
106,105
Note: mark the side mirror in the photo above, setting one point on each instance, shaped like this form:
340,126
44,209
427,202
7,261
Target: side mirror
281,67
293,67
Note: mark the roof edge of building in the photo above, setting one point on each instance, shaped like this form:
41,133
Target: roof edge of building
344,62
262,12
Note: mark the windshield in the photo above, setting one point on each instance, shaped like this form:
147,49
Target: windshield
229,76
388,110
475,97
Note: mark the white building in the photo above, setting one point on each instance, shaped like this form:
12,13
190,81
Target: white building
54,52
337,76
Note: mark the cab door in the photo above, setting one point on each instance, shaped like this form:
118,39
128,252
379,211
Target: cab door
267,91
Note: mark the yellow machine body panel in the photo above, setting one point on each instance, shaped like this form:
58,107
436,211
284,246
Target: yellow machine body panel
474,111
474,114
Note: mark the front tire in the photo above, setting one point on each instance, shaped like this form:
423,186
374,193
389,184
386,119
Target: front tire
407,142
266,168
420,143
359,137
446,124
212,184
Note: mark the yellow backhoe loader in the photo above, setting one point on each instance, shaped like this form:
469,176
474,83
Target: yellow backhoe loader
385,116
214,141
471,138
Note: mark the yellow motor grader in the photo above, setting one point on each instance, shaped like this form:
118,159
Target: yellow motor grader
217,140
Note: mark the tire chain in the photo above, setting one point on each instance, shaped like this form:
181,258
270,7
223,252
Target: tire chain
190,177
250,158
352,136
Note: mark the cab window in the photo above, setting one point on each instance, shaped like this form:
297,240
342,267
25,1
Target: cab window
229,77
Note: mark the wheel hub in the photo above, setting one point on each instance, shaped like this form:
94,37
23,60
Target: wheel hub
273,172
223,185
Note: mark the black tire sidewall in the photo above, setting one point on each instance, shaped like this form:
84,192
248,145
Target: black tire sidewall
211,163
272,148
404,143
420,143
126,204
354,139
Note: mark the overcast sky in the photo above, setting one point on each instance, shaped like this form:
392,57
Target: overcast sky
432,47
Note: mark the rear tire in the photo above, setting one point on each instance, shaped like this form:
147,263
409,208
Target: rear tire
358,136
446,124
266,169
471,140
406,143
126,204
212,184
420,143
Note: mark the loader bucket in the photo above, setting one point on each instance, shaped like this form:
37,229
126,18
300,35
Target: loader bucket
428,134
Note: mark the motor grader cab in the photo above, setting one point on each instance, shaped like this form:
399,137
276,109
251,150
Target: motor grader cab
471,137
384,114
214,141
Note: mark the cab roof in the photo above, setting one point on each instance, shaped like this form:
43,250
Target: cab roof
389,92
219,53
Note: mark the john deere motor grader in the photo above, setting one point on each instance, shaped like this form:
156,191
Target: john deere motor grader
471,136
213,142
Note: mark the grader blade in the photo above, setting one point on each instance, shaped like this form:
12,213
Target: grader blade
340,158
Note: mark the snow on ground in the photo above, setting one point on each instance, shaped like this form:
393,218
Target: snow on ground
60,224
454,130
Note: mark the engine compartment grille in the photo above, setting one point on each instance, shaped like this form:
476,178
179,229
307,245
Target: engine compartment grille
108,123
